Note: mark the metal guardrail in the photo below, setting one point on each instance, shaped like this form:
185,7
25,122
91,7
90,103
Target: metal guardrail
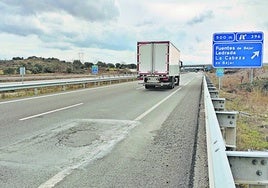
229,168
13,87
220,174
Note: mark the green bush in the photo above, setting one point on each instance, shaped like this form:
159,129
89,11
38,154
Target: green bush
9,71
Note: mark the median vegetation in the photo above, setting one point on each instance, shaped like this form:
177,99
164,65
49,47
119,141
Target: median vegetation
251,100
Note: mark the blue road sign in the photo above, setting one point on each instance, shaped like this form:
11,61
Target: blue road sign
22,71
238,50
220,72
95,69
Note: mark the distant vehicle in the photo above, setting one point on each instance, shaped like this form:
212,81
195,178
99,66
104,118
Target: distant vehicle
158,64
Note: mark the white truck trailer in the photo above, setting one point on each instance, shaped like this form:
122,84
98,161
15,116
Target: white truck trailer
158,64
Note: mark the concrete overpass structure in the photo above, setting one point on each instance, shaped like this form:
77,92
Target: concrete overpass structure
197,67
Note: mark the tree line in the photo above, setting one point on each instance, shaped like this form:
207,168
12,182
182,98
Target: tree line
37,65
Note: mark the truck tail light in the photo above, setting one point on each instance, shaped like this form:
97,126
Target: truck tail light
165,78
140,77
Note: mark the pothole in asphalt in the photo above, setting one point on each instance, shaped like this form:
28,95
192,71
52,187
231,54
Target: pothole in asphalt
89,133
78,136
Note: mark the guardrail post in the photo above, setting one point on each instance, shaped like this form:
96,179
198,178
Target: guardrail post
249,168
212,88
214,94
210,85
227,122
218,103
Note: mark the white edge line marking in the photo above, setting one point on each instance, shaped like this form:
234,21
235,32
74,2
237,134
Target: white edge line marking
159,103
52,111
155,106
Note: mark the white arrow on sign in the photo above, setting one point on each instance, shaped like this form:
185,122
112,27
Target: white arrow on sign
255,54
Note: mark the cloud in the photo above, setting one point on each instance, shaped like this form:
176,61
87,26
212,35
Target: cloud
106,36
75,23
50,18
101,10
201,18
18,28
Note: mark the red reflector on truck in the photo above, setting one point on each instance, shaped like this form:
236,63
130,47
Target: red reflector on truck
165,79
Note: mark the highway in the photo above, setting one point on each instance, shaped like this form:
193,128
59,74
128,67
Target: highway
120,135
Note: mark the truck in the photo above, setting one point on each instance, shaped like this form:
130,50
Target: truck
158,64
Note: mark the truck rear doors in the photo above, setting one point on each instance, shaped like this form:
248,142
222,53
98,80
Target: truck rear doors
153,58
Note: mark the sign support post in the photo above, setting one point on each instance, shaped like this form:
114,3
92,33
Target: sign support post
219,84
251,75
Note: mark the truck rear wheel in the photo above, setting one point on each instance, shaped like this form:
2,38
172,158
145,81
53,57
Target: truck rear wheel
177,80
172,83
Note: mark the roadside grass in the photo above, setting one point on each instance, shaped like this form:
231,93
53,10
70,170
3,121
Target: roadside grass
251,100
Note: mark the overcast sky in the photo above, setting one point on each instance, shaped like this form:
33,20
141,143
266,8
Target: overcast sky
108,30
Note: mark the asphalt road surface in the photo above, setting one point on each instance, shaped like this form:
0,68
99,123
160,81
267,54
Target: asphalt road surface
120,135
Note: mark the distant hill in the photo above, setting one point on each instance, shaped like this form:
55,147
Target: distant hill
35,65
38,65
